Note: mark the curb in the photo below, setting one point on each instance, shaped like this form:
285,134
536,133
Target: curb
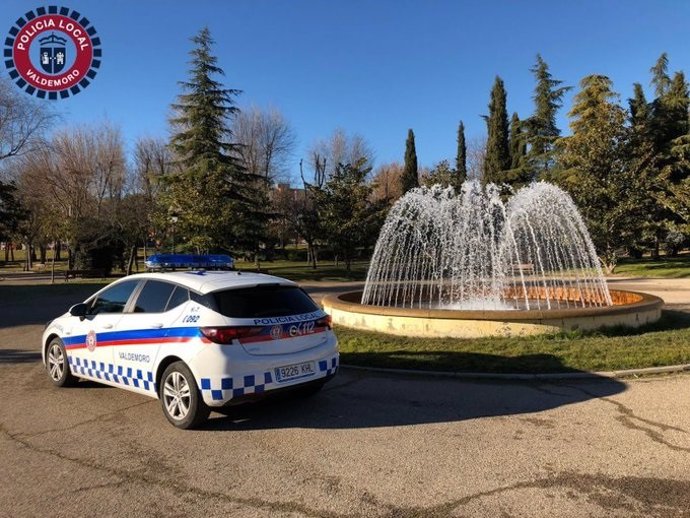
628,373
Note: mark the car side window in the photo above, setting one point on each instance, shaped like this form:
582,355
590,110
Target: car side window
179,296
153,297
113,299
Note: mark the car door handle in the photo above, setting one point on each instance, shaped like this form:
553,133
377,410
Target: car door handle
107,326
157,325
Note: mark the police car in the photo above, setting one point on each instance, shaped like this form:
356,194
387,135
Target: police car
197,340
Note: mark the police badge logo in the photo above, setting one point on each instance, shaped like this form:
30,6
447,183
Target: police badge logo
52,52
276,332
91,341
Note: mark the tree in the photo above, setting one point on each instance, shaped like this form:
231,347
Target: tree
217,202
441,174
339,148
461,158
593,167
410,176
350,221
23,121
542,131
11,211
660,78
73,187
497,152
518,174
266,142
386,184
658,129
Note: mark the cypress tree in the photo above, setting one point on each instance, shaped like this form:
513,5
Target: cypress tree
410,175
497,152
542,131
518,146
461,157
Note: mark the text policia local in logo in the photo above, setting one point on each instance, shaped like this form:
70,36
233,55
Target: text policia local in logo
54,52
71,28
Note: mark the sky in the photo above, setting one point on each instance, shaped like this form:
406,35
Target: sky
372,67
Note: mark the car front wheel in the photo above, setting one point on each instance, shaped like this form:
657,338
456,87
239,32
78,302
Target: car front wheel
181,398
57,364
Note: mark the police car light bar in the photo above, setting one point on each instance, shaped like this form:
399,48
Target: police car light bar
206,262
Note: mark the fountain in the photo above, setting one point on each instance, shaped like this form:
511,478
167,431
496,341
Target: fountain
473,265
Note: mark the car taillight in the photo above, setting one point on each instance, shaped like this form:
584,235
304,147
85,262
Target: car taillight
324,322
225,335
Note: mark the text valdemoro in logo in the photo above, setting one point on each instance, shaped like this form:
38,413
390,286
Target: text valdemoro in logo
52,52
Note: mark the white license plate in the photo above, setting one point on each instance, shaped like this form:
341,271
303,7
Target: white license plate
291,372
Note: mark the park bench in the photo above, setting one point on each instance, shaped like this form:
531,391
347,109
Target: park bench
93,273
525,269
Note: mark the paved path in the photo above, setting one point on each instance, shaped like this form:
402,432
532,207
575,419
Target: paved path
367,446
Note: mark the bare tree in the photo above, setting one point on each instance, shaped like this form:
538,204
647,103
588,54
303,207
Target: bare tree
79,179
22,121
340,148
476,153
386,182
267,142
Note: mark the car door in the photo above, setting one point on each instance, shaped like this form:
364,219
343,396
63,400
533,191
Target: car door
147,327
89,347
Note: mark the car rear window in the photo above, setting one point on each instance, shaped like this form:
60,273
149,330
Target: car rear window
263,301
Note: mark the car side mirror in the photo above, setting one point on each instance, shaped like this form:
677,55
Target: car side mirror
79,310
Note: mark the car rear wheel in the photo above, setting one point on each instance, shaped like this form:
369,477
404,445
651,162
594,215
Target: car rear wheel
57,364
181,398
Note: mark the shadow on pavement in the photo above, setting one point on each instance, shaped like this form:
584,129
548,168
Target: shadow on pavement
18,356
356,399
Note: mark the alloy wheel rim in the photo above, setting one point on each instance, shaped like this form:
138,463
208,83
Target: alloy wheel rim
177,396
56,362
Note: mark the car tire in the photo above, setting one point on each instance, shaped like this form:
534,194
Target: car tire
181,398
57,365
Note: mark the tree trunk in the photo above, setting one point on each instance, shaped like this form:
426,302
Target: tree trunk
655,252
130,261
52,266
43,251
57,250
29,257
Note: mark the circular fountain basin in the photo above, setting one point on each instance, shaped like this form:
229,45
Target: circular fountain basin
629,309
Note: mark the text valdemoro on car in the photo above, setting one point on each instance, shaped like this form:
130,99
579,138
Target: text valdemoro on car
197,340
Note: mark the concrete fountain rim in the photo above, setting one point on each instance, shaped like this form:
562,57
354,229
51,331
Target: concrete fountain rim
646,302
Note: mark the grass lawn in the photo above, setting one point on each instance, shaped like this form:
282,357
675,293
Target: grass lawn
667,267
302,272
664,343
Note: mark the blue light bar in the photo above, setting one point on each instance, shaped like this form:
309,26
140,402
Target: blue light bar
206,261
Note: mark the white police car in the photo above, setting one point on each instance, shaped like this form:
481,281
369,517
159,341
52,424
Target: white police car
197,340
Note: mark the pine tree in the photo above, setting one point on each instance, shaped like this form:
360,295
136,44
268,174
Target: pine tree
639,109
668,122
461,158
660,79
497,152
593,167
410,176
212,196
542,131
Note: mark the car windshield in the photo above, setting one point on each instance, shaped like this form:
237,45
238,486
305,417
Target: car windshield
263,301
